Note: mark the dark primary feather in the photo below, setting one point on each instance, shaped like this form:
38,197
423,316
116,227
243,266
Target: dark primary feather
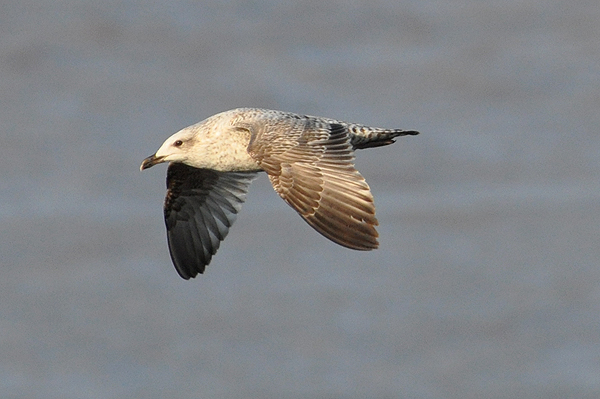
200,207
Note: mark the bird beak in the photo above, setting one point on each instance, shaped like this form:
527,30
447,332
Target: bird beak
151,161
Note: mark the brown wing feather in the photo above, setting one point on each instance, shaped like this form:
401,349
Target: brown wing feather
311,168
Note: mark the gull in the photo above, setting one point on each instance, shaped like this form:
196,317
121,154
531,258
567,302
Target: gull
309,161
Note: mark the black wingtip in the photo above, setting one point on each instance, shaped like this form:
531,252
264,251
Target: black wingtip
188,273
188,265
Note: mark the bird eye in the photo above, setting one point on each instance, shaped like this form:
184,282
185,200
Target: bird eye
178,143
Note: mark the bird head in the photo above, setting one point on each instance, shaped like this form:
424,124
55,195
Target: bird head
176,148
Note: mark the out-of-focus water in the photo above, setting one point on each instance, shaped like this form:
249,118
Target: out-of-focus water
487,280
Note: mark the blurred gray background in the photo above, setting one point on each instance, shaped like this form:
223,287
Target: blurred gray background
487,280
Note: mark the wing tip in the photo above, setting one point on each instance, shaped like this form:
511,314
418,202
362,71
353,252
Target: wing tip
188,273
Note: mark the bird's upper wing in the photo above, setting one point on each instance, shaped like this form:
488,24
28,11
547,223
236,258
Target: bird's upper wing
310,164
200,207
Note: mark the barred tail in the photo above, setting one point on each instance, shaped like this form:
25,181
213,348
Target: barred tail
378,137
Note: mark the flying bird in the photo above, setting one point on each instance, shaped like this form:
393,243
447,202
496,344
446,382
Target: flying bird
309,160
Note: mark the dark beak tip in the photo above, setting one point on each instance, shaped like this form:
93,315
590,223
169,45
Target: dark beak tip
148,162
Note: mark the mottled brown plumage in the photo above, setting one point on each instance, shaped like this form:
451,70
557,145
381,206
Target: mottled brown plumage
309,160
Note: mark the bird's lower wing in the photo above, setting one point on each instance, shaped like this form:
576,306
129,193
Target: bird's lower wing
200,207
